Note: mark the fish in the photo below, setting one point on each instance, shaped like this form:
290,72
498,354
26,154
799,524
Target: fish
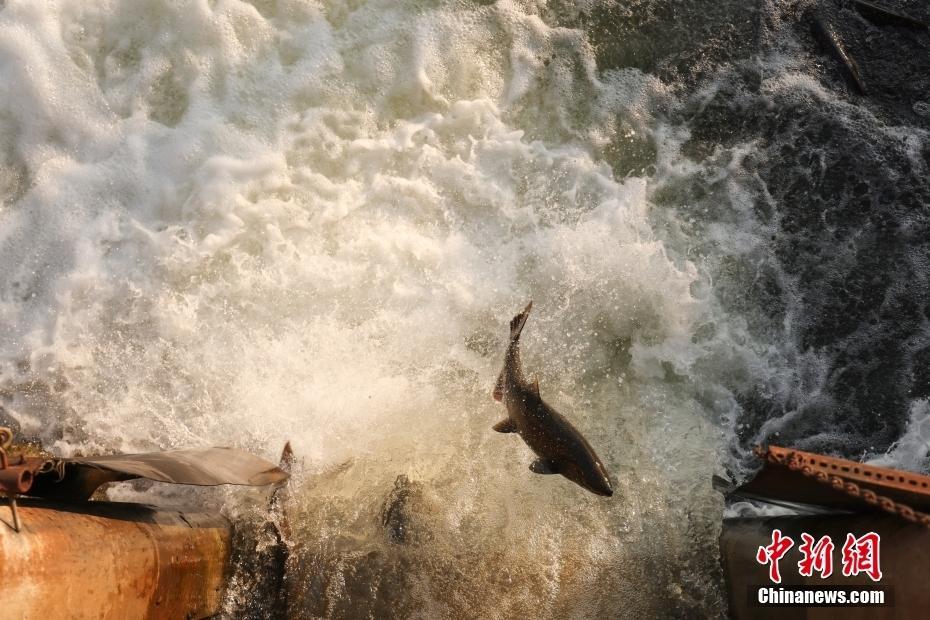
559,447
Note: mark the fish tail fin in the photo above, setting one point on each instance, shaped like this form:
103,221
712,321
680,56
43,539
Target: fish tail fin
517,323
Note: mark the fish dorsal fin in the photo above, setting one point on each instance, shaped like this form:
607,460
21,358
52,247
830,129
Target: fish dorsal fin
535,386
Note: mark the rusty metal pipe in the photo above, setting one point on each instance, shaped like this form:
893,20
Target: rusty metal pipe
112,561
15,479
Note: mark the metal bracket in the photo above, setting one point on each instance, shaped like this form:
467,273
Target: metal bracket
14,479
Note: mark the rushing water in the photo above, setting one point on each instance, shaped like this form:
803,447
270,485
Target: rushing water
225,222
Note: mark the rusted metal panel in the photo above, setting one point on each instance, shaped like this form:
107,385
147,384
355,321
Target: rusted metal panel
112,561
808,478
905,563
776,480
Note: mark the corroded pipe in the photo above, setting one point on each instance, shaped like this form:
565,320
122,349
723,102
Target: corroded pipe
110,560
15,479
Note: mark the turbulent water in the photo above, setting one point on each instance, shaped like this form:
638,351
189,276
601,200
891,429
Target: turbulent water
237,223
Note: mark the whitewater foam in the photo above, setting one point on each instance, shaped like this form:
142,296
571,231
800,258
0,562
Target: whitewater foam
228,223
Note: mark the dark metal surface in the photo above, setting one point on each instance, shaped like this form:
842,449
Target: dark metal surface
884,15
905,562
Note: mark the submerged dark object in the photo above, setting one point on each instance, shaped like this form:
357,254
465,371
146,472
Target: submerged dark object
830,40
560,447
396,511
883,15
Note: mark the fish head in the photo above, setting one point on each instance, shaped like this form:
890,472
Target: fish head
589,475
601,487
598,482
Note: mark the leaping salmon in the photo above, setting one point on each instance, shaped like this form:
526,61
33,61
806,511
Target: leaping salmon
560,448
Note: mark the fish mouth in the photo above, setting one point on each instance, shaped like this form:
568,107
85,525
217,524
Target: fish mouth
601,484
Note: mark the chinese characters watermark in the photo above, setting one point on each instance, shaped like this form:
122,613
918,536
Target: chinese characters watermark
859,555
773,553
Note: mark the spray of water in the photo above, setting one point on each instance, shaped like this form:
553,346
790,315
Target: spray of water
241,223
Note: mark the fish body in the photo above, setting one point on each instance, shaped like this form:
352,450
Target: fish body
560,448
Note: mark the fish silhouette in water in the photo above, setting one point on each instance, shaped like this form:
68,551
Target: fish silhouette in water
560,448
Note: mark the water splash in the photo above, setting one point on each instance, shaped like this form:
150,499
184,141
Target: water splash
245,223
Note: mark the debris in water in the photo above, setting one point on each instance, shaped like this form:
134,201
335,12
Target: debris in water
830,39
884,15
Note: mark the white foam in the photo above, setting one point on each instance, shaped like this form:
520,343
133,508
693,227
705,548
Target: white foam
248,224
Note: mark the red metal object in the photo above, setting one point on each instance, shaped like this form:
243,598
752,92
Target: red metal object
14,479
89,559
776,480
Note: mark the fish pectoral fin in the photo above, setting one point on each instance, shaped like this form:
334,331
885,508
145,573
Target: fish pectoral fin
544,467
505,426
536,386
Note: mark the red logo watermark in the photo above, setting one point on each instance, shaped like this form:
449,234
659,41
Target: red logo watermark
816,557
773,553
859,555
